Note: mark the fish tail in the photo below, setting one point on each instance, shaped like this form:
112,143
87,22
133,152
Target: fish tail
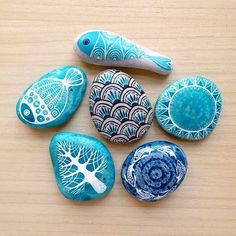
74,77
163,63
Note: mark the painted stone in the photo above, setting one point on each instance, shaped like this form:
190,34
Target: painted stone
119,107
189,108
83,166
108,49
154,170
53,98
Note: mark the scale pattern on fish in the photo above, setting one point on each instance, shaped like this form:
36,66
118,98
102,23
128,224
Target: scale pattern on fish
48,97
109,49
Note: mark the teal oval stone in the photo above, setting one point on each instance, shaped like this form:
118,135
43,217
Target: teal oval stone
83,166
53,98
189,108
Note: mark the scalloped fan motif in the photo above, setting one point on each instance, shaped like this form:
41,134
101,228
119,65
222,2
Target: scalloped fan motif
121,105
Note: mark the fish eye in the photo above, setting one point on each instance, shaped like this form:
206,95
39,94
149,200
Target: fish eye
86,41
26,112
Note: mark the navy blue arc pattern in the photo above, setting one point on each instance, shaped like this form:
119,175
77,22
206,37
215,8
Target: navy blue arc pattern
119,107
153,170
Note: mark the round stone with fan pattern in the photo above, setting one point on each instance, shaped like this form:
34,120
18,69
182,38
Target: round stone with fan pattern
189,108
120,109
153,170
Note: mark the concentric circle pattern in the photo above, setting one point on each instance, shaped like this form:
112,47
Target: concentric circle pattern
153,170
119,107
189,108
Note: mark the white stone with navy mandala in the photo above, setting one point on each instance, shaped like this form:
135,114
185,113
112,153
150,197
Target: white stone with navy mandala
119,107
154,170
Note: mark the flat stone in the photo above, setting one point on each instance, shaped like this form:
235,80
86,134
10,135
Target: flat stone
53,98
189,108
83,166
120,109
154,170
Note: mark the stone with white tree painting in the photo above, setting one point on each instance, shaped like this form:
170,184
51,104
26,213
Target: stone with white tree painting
83,166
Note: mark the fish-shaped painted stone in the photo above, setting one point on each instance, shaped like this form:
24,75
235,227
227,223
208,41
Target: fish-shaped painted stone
108,49
119,107
189,108
53,98
154,170
83,166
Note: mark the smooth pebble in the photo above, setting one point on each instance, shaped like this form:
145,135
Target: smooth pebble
109,49
154,170
120,109
53,98
189,108
83,166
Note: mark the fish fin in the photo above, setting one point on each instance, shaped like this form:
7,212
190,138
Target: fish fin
164,63
74,77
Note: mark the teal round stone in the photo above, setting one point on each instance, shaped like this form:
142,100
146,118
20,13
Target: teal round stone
83,166
189,108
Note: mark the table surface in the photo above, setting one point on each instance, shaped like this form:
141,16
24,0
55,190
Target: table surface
37,36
